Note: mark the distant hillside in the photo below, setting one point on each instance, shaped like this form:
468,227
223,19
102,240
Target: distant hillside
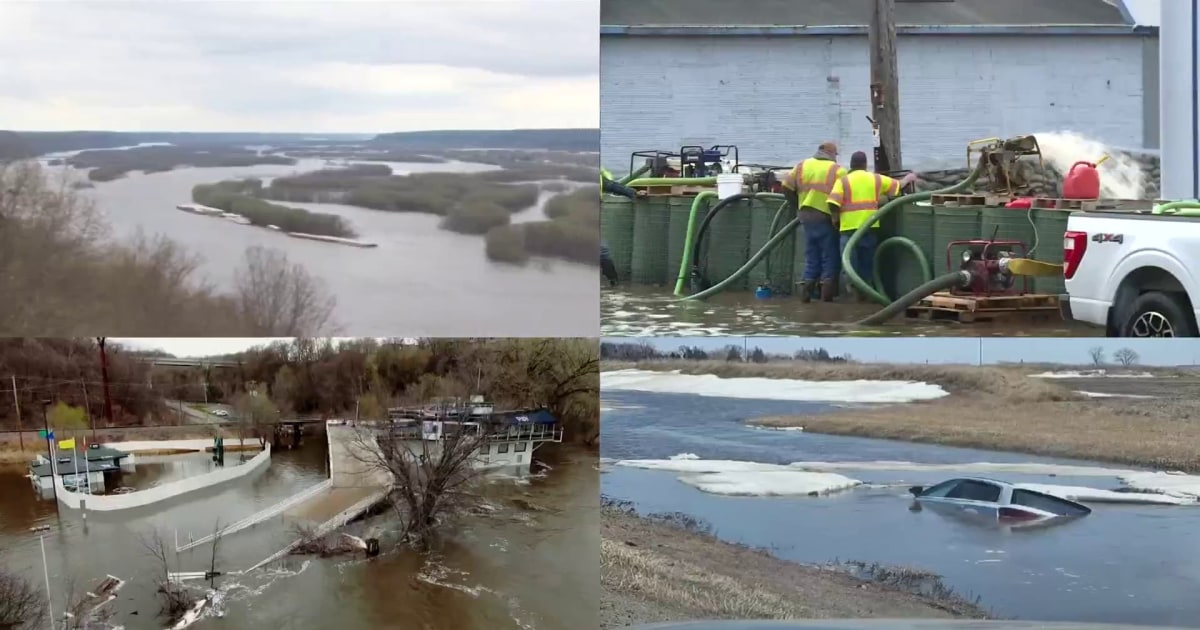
42,142
555,139
14,147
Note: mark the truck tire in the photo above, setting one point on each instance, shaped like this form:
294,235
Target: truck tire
1157,314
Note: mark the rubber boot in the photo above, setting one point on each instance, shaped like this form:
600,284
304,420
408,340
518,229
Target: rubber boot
828,290
806,290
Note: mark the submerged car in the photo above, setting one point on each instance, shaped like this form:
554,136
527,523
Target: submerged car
995,501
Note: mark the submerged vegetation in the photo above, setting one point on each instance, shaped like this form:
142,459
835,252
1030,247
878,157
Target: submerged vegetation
109,165
243,197
63,274
572,232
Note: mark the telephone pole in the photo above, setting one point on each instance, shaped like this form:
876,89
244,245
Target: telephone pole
108,419
885,87
17,403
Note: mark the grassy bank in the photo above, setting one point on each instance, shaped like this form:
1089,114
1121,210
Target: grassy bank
110,165
669,568
571,233
12,453
242,197
998,408
63,274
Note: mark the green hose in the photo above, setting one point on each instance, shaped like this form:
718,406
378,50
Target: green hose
1175,207
687,240
940,283
634,175
907,243
754,260
851,274
771,233
673,181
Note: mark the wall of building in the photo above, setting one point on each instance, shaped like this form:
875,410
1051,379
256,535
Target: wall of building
778,97
142,498
1180,104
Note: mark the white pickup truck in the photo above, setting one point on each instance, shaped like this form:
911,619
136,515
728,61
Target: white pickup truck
1135,275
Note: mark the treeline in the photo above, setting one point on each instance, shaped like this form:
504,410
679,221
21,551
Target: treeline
42,142
335,378
68,371
572,232
62,273
634,352
243,197
558,139
110,165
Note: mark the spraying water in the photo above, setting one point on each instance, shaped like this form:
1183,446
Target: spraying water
1122,175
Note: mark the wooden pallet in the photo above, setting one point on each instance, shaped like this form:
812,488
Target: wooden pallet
967,308
972,199
1048,203
676,191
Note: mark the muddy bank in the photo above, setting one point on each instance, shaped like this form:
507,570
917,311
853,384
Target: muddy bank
655,570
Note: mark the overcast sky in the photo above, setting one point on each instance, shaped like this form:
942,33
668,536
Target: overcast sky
956,350
349,66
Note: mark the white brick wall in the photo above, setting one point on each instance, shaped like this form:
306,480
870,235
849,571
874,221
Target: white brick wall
777,98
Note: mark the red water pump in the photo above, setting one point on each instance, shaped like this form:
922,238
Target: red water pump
1082,181
984,260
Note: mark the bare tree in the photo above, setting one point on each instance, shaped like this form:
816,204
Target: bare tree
278,297
22,605
257,415
432,466
1126,356
174,597
1097,354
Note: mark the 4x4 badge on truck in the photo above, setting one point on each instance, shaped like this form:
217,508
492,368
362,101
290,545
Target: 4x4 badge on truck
1108,238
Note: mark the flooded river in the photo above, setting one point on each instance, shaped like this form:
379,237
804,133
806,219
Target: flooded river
530,564
648,311
421,280
1123,563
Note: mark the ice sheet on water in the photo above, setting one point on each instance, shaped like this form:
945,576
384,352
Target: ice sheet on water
732,477
980,468
1097,373
1104,395
1084,494
1173,483
770,388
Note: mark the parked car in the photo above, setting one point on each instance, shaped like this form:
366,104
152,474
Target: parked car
221,412
998,502
1132,274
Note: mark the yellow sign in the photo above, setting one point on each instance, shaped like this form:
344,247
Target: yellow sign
65,444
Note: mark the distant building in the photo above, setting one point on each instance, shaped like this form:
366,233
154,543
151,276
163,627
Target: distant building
776,78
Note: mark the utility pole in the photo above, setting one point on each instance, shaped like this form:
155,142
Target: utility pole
885,87
17,402
108,419
87,407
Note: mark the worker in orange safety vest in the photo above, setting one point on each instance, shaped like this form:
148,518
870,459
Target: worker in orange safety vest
807,187
853,198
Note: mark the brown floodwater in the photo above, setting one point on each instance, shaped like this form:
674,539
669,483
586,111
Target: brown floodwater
645,311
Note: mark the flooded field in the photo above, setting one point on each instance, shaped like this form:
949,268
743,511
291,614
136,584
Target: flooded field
1123,563
530,563
641,311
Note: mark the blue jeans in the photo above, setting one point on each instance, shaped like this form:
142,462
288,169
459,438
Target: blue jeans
820,251
863,256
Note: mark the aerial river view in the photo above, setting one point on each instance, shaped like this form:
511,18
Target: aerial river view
676,448
420,279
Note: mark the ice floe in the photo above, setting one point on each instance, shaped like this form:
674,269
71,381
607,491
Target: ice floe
1084,494
770,388
732,477
1097,373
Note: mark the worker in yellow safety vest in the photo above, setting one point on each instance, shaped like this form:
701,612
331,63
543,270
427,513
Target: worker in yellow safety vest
854,198
807,187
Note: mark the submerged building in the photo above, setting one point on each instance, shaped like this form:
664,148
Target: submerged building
86,468
777,77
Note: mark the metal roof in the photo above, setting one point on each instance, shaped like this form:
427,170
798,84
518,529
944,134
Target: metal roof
858,12
100,458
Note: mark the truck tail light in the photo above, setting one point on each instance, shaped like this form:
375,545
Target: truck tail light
1074,245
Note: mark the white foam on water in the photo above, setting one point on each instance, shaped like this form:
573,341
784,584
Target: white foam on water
861,391
700,466
1085,494
1098,373
1121,175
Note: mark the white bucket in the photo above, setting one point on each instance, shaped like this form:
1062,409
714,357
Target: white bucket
728,185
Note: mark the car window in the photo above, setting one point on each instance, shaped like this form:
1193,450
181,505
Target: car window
973,490
941,489
1046,502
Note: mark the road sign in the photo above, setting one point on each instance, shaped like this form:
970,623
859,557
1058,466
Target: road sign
46,434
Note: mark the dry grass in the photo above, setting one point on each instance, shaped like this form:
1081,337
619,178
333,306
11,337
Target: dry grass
688,585
11,453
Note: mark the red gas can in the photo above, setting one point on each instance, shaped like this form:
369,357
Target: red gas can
1082,182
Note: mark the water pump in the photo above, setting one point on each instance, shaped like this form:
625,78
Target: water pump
987,264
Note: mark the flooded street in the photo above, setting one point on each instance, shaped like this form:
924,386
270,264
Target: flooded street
529,564
654,311
1123,563
459,289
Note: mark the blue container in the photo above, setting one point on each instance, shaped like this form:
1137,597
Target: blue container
763,292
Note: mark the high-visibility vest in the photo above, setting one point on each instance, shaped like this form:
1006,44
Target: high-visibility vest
813,180
857,196
604,174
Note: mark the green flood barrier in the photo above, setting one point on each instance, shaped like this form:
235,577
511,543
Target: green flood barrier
681,210
651,226
728,248
1050,226
902,270
776,269
616,230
